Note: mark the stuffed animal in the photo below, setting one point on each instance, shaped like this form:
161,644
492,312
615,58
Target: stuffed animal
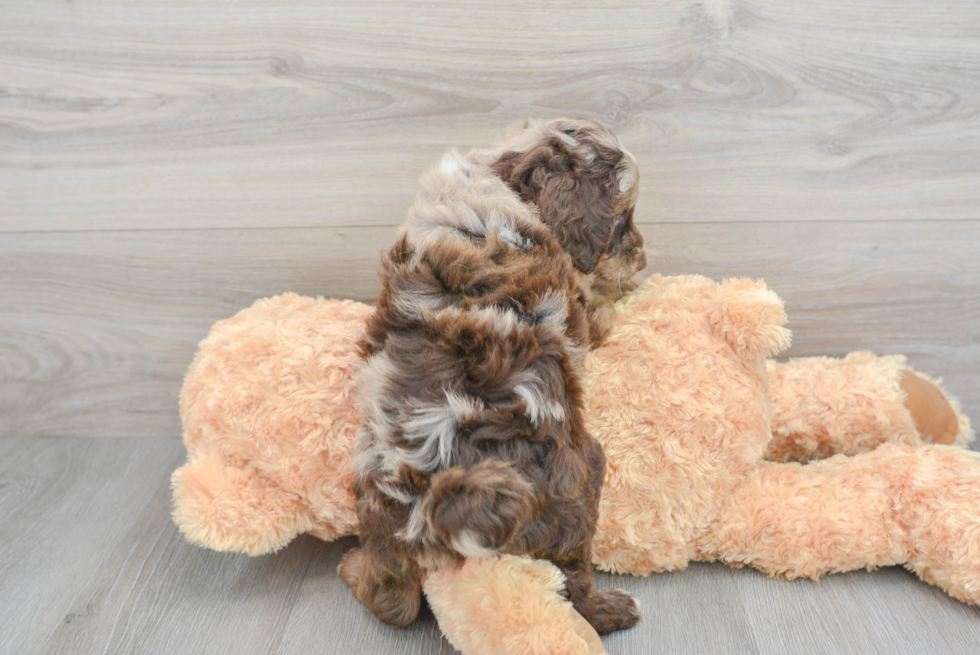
707,445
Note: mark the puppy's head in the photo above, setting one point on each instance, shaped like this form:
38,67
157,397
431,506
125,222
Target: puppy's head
584,185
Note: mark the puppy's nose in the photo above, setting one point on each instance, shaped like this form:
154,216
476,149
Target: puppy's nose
642,261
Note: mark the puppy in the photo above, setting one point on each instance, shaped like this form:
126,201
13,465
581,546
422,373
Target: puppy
472,437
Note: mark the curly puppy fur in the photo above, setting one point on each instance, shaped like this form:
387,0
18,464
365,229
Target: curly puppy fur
473,439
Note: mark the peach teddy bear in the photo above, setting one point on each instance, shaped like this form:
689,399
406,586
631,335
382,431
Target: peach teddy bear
706,443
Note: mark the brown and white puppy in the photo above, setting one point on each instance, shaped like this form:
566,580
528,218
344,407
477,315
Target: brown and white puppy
473,441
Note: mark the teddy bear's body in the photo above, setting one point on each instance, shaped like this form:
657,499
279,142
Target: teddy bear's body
680,399
680,444
687,479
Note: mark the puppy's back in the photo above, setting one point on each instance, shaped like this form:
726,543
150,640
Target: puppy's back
471,358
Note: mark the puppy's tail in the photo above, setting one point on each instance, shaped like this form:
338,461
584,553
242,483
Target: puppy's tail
476,511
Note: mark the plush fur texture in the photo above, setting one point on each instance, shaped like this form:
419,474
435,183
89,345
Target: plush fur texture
823,406
544,623
685,406
473,441
270,419
687,480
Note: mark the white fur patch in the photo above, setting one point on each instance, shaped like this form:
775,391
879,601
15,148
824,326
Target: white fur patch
552,311
374,375
508,233
376,424
504,320
395,493
468,544
453,164
461,198
569,140
538,407
465,407
626,174
366,458
408,302
434,429
414,527
449,166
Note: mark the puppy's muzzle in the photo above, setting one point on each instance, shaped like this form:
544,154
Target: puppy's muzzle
641,261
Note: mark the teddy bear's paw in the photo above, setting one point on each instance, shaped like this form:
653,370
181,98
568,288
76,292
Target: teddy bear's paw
614,610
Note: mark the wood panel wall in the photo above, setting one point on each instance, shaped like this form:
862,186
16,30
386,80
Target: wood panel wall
163,165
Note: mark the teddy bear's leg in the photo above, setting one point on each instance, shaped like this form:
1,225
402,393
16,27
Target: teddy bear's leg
823,406
917,506
229,508
509,605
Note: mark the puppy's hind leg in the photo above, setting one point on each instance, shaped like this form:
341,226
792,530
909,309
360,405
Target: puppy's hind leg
391,588
608,610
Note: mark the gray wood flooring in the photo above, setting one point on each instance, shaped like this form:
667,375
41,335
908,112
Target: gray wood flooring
90,562
163,164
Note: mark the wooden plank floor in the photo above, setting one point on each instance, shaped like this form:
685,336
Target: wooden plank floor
163,165
90,562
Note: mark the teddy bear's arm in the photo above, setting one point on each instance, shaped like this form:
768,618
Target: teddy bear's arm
748,316
917,506
823,406
507,604
228,508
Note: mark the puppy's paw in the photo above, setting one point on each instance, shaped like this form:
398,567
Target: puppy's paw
396,602
614,610
352,571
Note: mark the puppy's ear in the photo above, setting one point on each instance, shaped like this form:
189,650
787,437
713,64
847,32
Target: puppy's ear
574,195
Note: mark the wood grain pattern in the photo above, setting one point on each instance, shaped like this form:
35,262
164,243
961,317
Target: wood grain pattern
63,505
793,616
132,115
692,611
97,329
162,165
155,593
95,566
324,594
